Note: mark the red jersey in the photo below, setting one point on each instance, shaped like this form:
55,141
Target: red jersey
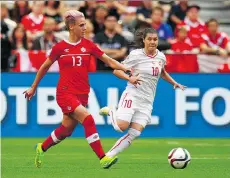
180,46
220,40
194,31
74,60
32,23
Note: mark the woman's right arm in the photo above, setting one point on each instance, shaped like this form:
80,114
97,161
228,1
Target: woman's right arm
29,93
121,74
129,77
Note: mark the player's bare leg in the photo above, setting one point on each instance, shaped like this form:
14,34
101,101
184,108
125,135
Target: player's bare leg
65,130
91,135
124,142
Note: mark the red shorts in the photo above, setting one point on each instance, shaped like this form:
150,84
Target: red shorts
69,102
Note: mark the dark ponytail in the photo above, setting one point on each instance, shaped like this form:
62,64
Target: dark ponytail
138,38
140,34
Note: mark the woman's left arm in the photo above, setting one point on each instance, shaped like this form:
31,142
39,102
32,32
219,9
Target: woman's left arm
168,78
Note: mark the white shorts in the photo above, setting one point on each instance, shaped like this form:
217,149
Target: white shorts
132,109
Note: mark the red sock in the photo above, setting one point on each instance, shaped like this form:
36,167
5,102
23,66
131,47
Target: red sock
92,136
56,137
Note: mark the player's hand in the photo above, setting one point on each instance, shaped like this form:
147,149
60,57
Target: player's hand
135,80
177,85
29,93
223,53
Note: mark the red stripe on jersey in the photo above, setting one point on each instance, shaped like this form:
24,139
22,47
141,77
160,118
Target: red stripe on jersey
124,99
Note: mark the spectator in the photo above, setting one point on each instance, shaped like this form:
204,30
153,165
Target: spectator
88,9
142,24
21,8
127,14
194,25
121,6
89,30
164,30
177,13
19,38
33,22
52,10
166,6
5,17
5,47
98,22
182,43
215,42
124,32
144,12
120,9
48,39
111,42
67,5
113,8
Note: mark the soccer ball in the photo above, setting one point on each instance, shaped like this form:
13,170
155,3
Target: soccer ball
179,158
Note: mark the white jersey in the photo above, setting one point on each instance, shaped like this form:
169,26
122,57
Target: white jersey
149,69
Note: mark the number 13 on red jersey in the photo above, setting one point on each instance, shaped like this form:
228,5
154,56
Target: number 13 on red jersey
77,60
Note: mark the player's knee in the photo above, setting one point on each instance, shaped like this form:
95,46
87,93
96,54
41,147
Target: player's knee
133,133
122,125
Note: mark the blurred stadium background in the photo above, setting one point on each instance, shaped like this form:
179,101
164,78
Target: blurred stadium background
195,38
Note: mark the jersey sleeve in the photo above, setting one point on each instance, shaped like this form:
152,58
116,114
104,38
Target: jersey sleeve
163,59
169,32
130,61
55,53
226,40
25,22
96,51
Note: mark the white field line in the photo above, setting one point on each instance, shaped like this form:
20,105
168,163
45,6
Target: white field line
198,144
209,158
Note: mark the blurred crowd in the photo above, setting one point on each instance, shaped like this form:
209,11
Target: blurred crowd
38,25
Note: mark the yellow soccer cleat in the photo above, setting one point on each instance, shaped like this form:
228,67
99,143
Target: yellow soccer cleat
104,111
39,155
107,162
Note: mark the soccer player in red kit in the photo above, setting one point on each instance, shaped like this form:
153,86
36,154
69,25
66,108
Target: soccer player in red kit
73,87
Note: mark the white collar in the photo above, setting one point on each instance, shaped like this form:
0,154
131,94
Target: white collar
35,19
192,24
67,41
152,56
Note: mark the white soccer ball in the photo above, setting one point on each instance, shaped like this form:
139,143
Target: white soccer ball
179,158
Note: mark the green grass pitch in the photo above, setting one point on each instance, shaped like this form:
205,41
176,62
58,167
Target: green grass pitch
145,158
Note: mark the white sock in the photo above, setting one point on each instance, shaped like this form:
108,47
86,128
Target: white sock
123,142
113,117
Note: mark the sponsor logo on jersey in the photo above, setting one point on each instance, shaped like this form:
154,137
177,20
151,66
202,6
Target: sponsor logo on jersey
69,108
66,50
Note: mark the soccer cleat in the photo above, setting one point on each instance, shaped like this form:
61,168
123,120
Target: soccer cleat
39,155
107,162
104,111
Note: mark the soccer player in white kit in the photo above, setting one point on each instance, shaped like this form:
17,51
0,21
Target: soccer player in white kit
136,103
